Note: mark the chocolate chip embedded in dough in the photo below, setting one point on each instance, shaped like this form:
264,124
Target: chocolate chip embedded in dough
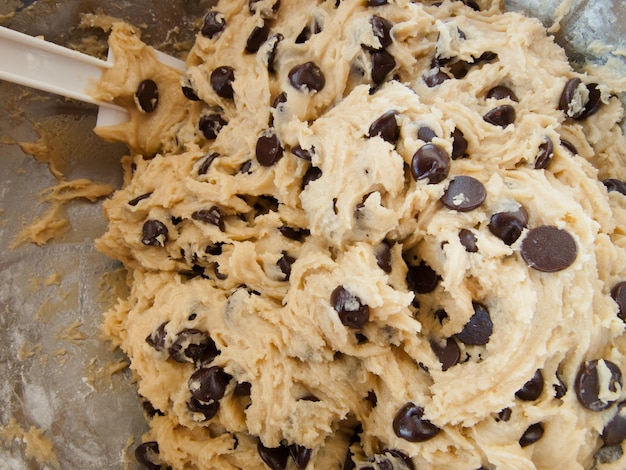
531,389
560,389
508,226
505,414
304,154
501,116
209,410
211,216
209,384
222,81
544,155
549,249
154,233
133,202
431,162
300,455
383,256
422,279
192,345
147,96
257,37
293,233
502,92
478,329
594,102
352,312
313,173
468,240
426,134
271,58
386,127
449,354
400,458
613,184
274,457
579,104
210,125
245,167
156,339
381,28
435,77
569,146
531,435
408,424
307,77
190,93
214,249
376,3
464,193
618,293
614,432
268,148
214,23
459,144
593,375
208,159
382,64
243,389
284,263
147,454
472,4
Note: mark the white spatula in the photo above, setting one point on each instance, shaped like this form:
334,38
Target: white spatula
46,66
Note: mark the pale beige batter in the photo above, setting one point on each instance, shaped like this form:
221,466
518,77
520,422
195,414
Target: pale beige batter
370,235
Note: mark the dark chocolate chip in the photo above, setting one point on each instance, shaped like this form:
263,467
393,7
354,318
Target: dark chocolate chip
383,256
304,35
147,96
210,125
154,233
147,454
352,312
293,233
245,167
214,23
192,345
608,454
485,57
422,279
214,249
300,455
531,389
150,410
588,383
531,435
382,64
211,216
156,339
307,77
459,144
614,432
218,274
376,3
501,116
464,194
460,68
545,154
426,134
243,389
209,158
571,100
549,249
271,58
400,458
408,424
304,154
560,389
569,146
508,226
313,173
613,184
386,127
190,93
268,148
435,78
449,354
430,162
138,199
505,414
472,4
257,37
618,293
372,398
280,99
478,329
284,263
274,457
594,102
209,410
382,30
222,81
209,384
501,92
468,240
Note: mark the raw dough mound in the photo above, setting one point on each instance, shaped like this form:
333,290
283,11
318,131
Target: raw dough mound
370,234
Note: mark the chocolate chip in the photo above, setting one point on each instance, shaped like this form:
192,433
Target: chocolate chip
408,424
307,77
472,4
156,339
382,30
449,354
422,279
501,116
192,345
222,81
549,249
531,389
147,454
386,127
257,37
313,173
274,457
376,3
382,64
138,199
214,23
590,378
352,312
154,233
508,226
243,389
383,256
577,104
215,249
614,432
618,293
426,134
210,125
435,78
545,154
560,389
478,329
284,263
459,144
505,414
569,146
300,455
211,216
271,58
400,458
293,233
280,99
430,162
468,240
531,435
501,92
464,194
209,384
608,454
209,410
304,154
268,148
209,158
147,96
594,102
245,167
613,184
190,93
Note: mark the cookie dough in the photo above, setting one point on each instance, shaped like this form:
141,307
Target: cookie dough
370,234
